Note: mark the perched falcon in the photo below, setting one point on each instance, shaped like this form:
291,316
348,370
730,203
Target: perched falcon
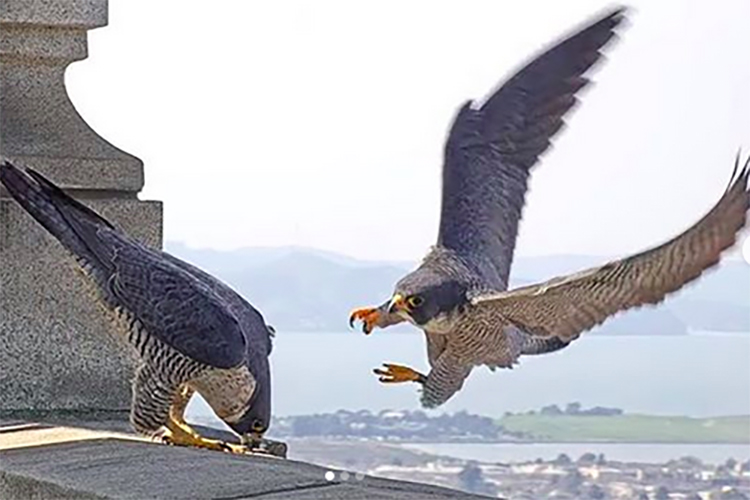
458,296
192,332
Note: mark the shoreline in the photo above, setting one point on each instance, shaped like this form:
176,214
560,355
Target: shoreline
517,443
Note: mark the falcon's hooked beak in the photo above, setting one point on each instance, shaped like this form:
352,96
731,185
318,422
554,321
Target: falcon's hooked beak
398,305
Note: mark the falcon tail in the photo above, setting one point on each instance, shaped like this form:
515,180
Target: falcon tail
74,225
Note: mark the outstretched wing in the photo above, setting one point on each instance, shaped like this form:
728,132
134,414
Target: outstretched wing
490,150
564,307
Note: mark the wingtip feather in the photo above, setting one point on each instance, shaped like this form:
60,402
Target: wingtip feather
739,175
13,178
7,166
616,15
736,167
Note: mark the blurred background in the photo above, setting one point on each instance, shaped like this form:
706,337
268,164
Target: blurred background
297,147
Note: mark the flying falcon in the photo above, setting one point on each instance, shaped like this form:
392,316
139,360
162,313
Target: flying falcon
458,295
192,332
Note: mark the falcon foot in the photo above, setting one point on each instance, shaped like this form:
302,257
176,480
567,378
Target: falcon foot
394,374
180,434
369,316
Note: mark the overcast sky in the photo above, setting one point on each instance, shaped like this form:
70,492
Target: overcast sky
322,123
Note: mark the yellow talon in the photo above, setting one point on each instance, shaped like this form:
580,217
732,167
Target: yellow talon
395,374
180,434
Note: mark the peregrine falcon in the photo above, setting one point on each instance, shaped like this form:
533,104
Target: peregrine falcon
191,332
458,295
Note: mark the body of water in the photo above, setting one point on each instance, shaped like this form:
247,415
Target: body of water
697,375
643,453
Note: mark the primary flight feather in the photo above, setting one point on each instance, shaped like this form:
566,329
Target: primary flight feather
458,295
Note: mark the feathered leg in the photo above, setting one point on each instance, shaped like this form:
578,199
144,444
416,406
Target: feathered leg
181,434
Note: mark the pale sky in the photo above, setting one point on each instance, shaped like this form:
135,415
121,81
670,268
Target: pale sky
322,123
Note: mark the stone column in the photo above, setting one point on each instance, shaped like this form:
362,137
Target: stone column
58,350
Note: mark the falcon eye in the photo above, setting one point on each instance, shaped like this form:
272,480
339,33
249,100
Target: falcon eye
258,426
415,301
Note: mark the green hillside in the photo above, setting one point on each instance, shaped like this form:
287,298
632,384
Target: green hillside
630,428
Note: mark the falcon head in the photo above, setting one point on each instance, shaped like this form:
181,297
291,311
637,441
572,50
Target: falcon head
254,422
422,297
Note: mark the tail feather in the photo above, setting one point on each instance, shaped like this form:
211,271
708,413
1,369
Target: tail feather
74,225
82,210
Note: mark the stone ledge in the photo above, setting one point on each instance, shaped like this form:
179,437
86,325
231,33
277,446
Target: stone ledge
44,461
72,13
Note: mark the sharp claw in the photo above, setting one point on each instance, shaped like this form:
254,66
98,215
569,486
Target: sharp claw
397,374
383,375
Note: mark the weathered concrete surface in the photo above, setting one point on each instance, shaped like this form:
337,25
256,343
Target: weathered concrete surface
68,13
69,463
57,348
39,126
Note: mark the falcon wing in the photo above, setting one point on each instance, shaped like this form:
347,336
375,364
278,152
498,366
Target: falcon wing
490,150
174,306
170,303
565,307
250,319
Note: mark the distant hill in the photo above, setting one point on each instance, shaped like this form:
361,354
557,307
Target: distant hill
303,289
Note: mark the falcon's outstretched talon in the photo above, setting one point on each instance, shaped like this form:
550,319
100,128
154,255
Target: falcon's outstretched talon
369,317
396,374
489,154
